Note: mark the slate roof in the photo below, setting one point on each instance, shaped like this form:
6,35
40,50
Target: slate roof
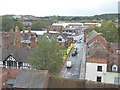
22,36
10,81
61,34
98,52
115,45
30,79
91,35
20,54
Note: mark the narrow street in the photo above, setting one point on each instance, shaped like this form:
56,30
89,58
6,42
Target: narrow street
77,71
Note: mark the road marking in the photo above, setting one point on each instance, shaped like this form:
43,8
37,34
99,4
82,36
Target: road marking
64,72
69,73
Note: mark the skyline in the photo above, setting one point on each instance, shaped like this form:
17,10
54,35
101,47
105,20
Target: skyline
60,8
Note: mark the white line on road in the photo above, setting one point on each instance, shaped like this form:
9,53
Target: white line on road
64,72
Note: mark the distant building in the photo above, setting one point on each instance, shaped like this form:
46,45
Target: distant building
73,27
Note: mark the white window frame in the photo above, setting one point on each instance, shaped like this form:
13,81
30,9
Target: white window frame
114,66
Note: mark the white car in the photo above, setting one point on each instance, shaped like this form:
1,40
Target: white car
69,64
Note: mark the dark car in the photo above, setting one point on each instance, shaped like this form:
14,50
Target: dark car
74,53
75,50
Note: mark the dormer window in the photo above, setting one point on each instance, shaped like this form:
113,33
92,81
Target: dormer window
114,68
59,39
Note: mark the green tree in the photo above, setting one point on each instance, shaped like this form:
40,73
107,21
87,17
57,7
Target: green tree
7,23
109,31
18,23
38,26
10,23
47,55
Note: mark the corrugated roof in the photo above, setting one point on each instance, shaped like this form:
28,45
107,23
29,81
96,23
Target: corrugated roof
30,79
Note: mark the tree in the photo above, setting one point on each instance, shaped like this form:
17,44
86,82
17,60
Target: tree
10,23
7,23
109,31
38,26
18,23
47,55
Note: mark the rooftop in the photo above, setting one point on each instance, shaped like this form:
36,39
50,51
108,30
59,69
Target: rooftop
94,60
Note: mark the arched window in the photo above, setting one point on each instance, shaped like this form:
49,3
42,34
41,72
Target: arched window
114,68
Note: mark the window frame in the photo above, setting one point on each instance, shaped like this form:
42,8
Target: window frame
114,66
99,68
99,79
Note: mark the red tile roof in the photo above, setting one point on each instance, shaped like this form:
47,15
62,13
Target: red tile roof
94,60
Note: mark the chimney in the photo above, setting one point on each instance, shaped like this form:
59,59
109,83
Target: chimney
47,30
33,40
11,30
6,40
29,29
85,35
17,37
61,30
23,29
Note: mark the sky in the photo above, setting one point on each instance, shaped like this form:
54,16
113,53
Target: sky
58,7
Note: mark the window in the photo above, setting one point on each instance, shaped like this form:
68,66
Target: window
117,80
99,68
114,68
99,79
59,39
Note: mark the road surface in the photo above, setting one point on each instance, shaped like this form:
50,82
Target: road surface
77,71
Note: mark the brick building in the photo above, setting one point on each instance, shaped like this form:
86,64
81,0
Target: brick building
99,50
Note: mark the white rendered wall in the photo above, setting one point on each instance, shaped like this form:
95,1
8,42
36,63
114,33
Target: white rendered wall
92,73
110,77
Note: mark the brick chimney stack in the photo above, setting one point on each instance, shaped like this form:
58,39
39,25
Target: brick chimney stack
17,37
47,30
23,30
6,40
29,29
33,40
11,30
85,31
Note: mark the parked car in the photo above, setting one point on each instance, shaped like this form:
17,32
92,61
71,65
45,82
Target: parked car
76,50
69,64
74,53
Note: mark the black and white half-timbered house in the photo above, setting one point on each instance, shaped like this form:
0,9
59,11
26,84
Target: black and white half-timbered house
13,53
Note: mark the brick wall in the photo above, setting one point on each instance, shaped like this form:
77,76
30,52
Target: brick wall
101,40
74,83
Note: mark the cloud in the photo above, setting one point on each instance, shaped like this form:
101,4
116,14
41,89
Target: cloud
58,7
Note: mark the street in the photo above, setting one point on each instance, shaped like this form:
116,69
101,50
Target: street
77,71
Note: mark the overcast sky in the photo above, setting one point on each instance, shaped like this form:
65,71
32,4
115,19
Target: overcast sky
58,7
